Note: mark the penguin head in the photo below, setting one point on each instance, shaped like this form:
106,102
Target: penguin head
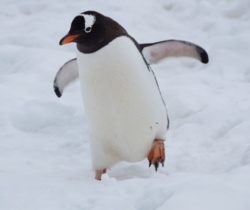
92,30
84,27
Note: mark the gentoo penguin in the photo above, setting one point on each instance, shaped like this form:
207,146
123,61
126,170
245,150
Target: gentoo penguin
123,103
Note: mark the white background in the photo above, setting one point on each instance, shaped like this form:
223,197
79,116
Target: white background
44,147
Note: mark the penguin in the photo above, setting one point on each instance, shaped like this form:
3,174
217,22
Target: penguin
125,109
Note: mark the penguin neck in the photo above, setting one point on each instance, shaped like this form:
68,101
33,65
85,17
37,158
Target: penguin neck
90,47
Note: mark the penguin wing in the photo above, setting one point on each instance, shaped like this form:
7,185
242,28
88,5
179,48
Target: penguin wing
155,52
65,75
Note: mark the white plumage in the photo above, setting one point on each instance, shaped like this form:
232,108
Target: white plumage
122,102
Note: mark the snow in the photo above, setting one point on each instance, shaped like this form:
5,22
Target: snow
45,158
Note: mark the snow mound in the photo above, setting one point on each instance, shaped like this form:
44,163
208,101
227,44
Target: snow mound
45,159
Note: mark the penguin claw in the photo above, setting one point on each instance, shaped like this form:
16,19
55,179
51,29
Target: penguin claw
156,155
156,165
162,163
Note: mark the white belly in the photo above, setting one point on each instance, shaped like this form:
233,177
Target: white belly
122,103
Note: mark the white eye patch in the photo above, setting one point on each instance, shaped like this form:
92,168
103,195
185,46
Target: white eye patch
89,22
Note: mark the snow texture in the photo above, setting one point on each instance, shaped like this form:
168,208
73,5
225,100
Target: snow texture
45,158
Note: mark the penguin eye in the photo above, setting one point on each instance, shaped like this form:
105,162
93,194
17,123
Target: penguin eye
88,29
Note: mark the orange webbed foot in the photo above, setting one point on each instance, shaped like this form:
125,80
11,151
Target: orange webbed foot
157,153
99,173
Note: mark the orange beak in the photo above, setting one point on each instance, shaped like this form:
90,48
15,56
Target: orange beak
68,38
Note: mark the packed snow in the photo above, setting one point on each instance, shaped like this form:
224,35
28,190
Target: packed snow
45,160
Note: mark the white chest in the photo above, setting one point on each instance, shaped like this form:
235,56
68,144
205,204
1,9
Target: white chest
121,99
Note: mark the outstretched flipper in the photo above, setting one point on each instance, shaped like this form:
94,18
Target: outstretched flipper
66,74
155,52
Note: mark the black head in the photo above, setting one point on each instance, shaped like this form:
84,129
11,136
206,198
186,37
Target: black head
91,31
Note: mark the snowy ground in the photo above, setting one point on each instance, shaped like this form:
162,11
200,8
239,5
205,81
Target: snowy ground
44,148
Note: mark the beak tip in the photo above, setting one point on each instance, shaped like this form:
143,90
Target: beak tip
68,38
61,42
